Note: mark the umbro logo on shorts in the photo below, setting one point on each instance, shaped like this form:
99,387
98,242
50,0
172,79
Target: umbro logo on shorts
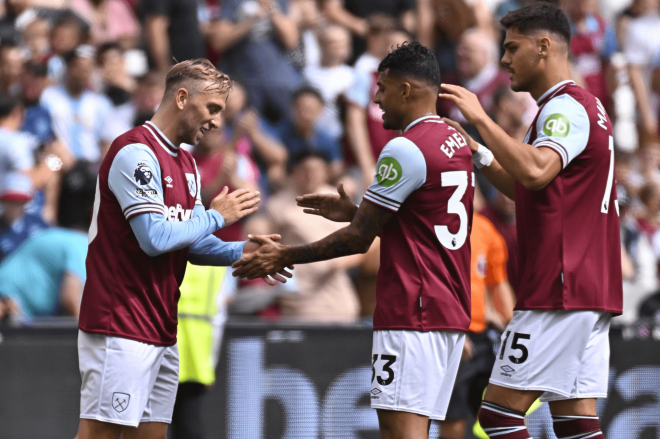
507,370
120,401
375,392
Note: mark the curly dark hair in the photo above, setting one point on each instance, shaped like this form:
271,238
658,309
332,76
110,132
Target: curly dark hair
412,60
539,16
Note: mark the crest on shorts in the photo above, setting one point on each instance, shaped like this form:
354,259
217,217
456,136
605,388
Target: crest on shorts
192,184
120,401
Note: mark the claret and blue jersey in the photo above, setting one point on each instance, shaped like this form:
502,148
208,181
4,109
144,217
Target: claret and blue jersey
426,177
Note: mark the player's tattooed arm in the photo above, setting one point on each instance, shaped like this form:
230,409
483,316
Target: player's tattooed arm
355,238
338,208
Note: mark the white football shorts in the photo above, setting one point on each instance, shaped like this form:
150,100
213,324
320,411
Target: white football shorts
415,371
125,381
565,354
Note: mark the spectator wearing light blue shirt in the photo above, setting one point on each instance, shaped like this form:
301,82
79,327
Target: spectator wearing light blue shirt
79,115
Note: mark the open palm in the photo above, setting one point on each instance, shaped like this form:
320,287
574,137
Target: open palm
338,208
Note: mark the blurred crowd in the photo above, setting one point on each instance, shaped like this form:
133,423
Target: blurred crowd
75,74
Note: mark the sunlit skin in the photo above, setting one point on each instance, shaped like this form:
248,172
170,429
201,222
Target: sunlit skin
527,59
403,100
199,112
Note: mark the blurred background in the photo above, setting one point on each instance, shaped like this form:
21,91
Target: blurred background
75,74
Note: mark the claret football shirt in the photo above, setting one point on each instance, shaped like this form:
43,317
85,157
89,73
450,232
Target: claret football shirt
568,232
426,177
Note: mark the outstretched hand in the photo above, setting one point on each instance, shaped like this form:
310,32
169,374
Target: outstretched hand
337,208
466,101
236,205
252,245
267,260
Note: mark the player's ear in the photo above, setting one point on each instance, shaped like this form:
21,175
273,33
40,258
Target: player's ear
405,89
543,45
182,97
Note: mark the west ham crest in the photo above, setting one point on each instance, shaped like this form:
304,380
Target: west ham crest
120,401
192,184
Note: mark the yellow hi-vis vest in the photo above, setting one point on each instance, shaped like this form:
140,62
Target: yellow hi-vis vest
197,309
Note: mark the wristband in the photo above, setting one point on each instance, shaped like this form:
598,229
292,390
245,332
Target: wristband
483,157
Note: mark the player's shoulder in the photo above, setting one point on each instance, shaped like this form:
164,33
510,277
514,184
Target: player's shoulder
137,141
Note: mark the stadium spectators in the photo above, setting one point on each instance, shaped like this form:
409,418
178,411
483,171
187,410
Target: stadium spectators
11,68
172,31
109,21
325,292
80,115
254,36
17,225
298,78
332,77
304,132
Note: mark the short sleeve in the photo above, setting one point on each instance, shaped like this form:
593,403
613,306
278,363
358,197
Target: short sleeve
497,256
359,94
563,126
22,152
401,169
76,253
135,180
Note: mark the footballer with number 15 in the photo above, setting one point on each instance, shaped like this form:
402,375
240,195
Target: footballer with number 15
148,222
556,347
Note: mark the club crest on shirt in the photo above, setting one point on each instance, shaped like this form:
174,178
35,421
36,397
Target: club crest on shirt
142,173
120,401
192,184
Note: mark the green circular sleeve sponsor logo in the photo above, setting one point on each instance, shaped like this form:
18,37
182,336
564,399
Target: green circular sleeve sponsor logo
556,125
388,172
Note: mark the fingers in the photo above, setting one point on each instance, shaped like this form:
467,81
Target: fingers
275,238
313,211
243,261
449,97
268,280
453,124
249,203
278,278
309,203
238,192
244,213
261,239
453,89
341,191
247,195
223,193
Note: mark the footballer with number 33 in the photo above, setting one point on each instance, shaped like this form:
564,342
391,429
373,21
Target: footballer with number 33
420,204
556,347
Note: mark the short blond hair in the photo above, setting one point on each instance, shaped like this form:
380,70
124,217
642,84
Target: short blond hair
197,70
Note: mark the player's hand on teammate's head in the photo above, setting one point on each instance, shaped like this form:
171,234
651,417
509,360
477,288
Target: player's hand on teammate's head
266,261
236,205
338,208
466,101
457,126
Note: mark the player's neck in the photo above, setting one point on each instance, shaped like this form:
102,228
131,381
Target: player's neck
416,114
160,119
548,80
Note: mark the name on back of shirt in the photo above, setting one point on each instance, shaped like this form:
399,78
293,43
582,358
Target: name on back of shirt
454,141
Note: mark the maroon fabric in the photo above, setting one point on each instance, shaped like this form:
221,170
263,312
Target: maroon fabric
414,266
575,428
495,419
569,252
128,293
